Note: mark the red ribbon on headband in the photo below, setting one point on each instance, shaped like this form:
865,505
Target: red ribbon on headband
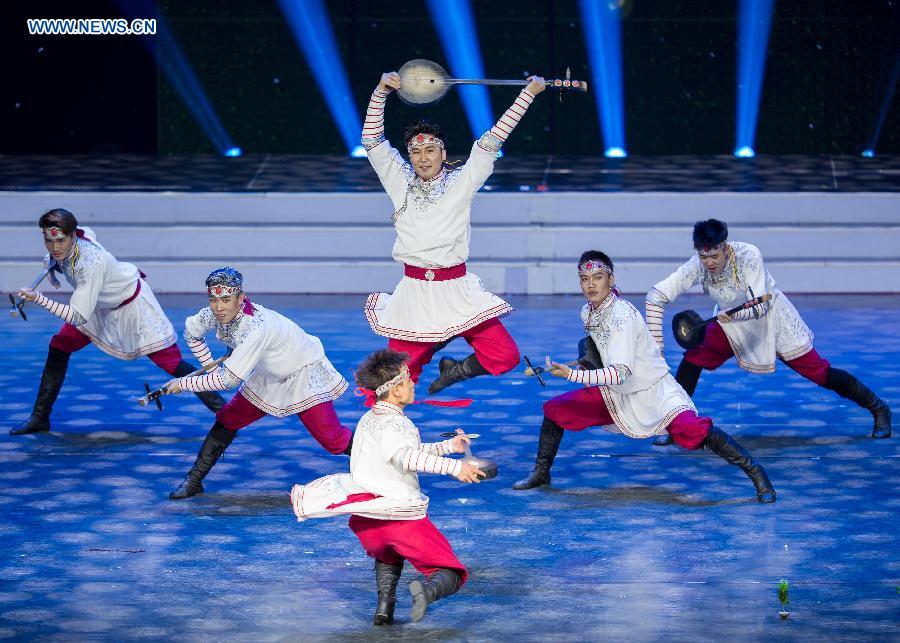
371,399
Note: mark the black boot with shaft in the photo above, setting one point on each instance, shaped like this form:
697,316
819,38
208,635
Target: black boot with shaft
440,584
847,386
453,371
548,444
386,578
724,446
217,440
51,381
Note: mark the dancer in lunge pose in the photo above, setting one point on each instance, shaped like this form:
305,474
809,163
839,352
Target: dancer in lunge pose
731,271
438,300
111,306
281,371
632,390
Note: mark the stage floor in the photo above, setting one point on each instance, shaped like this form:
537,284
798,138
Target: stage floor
631,542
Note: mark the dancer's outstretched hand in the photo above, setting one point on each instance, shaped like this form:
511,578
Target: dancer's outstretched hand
460,441
557,369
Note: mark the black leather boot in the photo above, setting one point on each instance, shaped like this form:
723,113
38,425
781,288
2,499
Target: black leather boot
440,584
845,385
211,399
724,446
217,440
687,376
386,577
453,371
51,381
548,445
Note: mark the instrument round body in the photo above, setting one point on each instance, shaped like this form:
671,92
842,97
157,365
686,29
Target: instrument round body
689,329
488,466
422,82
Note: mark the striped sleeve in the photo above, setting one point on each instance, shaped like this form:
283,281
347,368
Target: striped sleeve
220,379
611,375
655,308
438,448
200,349
373,127
411,459
64,311
494,139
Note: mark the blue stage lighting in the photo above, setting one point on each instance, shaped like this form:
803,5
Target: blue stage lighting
885,105
456,29
178,72
309,23
603,34
753,37
358,152
744,152
233,151
615,153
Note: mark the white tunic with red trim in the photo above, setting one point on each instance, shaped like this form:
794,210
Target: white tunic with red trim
102,283
382,483
432,220
649,398
284,369
778,331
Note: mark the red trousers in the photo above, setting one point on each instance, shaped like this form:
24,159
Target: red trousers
715,351
418,541
581,408
321,421
69,339
493,346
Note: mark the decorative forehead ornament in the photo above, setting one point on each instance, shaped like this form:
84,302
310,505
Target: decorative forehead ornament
592,265
224,282
401,377
53,233
422,140
707,251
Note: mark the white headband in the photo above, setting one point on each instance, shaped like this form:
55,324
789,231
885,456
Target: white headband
401,377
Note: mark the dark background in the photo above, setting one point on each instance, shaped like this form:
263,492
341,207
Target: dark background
828,67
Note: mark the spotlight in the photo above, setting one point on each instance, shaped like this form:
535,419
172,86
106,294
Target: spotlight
312,30
868,154
233,151
602,23
358,152
753,36
456,30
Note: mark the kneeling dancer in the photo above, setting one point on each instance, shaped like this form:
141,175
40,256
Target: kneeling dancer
281,371
382,491
633,391
111,306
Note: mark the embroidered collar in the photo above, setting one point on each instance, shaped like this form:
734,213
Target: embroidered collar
387,407
606,303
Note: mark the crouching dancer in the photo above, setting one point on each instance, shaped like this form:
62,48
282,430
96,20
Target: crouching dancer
382,491
111,306
281,371
631,390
